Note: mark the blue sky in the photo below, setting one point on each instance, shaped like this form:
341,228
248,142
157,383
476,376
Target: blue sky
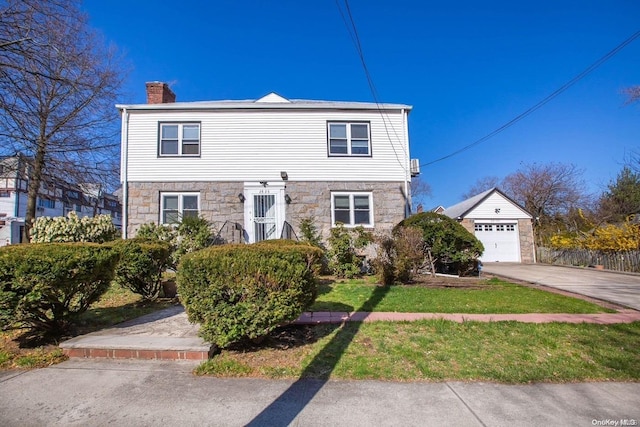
467,67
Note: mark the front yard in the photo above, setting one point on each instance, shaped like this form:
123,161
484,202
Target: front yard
115,306
440,350
447,295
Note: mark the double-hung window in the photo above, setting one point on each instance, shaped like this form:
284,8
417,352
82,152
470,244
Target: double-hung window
179,139
349,139
352,209
175,206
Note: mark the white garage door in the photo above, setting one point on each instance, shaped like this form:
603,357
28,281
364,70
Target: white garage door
500,242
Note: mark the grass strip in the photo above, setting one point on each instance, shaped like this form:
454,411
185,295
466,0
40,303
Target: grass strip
492,296
440,350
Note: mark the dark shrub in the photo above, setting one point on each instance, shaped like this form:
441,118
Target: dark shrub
46,286
245,291
399,256
141,265
449,243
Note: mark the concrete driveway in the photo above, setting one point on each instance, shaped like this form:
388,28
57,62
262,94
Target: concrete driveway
619,288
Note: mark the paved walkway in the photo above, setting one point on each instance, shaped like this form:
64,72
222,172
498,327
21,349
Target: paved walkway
623,316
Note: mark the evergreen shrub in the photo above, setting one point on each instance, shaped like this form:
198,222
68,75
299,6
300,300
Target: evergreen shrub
241,292
141,265
45,286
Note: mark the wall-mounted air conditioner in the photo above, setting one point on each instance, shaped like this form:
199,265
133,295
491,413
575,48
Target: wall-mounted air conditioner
415,167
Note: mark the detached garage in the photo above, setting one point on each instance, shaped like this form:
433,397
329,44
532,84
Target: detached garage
504,227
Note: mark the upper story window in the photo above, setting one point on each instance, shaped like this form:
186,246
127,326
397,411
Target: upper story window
349,139
352,209
72,194
175,206
46,203
179,139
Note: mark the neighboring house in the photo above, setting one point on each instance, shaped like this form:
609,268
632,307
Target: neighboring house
263,165
504,227
55,198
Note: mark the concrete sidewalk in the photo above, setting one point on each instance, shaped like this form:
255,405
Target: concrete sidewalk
136,393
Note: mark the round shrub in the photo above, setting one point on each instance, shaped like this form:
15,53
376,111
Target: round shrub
447,240
141,265
245,291
46,286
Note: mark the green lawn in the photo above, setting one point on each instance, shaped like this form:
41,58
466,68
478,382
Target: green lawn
440,350
485,296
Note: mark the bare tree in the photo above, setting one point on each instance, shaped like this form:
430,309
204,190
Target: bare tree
482,184
420,190
58,84
632,93
548,191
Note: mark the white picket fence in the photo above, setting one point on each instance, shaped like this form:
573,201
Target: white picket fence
619,261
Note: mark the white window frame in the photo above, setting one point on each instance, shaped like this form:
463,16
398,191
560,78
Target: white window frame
349,152
351,195
180,140
180,196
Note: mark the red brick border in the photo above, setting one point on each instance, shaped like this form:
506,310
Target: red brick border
91,353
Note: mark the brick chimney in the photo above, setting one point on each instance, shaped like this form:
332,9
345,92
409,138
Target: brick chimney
159,93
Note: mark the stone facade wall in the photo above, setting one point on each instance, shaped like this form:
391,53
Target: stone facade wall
469,225
219,202
313,199
527,245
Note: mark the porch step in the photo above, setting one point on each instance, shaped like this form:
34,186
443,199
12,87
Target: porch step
163,335
136,347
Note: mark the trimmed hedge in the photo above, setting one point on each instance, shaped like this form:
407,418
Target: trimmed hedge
141,265
46,286
245,291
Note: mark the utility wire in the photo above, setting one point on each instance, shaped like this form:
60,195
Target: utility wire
557,92
355,38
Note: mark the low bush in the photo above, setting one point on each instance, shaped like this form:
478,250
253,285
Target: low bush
141,265
161,233
399,256
45,286
237,292
447,242
344,260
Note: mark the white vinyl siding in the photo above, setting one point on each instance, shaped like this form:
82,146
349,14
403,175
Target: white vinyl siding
256,145
175,206
352,209
497,207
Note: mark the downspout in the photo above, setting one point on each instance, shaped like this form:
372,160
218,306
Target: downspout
407,167
123,166
17,205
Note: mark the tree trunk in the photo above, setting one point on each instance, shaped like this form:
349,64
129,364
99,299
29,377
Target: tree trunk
33,189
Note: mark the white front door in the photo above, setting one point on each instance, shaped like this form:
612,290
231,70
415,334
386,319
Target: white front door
263,211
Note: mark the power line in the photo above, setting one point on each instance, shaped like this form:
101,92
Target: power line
557,92
355,38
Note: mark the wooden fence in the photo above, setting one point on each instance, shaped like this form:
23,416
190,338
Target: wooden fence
619,261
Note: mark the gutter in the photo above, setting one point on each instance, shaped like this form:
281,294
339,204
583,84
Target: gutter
407,169
124,153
